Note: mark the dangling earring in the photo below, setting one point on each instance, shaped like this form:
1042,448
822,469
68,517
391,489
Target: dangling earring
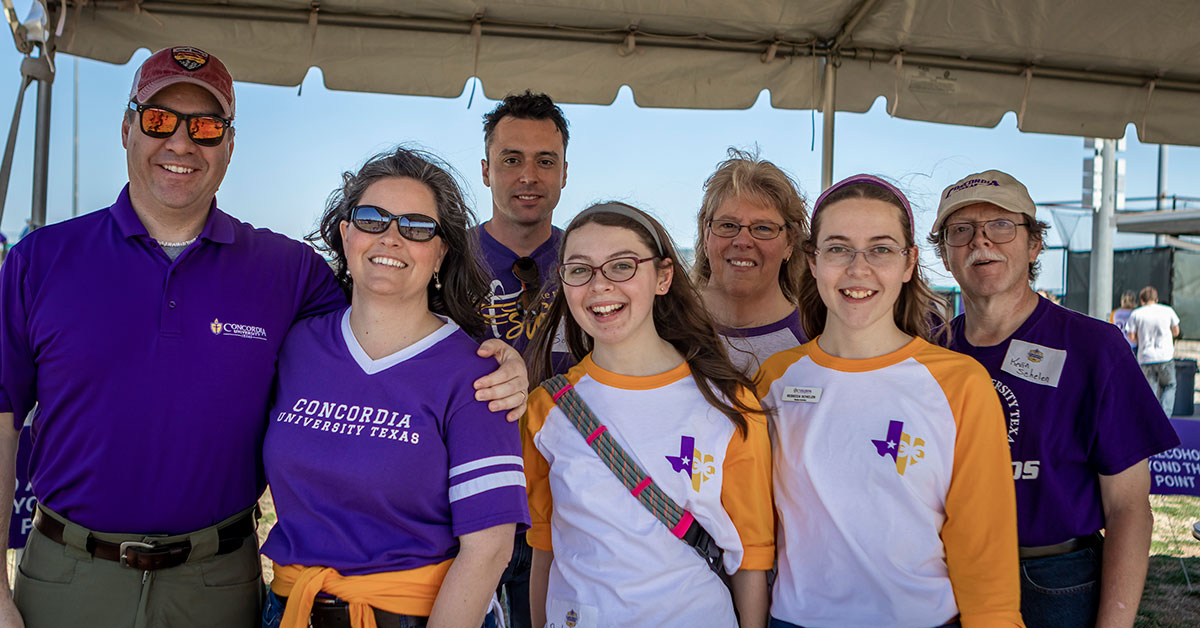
437,283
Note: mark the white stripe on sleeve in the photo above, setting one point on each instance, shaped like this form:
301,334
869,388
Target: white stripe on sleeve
486,462
486,483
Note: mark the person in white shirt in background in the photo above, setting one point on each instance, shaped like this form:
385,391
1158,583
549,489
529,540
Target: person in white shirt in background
1154,327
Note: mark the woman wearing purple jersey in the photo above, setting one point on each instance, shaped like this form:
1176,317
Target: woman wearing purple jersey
751,220
398,494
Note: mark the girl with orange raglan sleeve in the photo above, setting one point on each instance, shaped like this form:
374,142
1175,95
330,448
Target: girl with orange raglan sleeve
892,476
657,377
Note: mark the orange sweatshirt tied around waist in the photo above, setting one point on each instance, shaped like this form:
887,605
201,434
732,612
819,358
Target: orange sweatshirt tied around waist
410,592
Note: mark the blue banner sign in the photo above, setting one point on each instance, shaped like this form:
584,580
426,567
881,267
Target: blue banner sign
1177,471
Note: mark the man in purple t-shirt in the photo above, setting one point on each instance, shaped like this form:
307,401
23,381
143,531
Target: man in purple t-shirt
1080,423
146,335
525,143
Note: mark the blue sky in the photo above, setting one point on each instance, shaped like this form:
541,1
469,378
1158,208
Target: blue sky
293,143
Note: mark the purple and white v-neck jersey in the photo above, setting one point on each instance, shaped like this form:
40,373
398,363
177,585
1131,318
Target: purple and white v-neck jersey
378,465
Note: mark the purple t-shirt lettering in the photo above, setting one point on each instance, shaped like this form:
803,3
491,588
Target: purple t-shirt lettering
501,311
1077,406
379,465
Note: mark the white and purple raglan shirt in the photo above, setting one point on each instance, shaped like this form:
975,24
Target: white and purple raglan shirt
500,310
749,347
1076,408
378,465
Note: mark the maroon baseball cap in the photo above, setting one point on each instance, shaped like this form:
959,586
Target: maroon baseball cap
184,64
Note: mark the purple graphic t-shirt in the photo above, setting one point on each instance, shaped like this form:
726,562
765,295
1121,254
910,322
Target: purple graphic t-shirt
1077,406
501,310
378,465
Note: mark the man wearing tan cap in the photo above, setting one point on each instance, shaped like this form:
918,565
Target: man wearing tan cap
146,334
1079,433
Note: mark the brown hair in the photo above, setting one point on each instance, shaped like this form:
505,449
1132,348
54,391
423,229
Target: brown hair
679,318
465,285
1149,294
745,175
919,311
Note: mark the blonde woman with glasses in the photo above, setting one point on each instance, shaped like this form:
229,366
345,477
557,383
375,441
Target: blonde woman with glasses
751,222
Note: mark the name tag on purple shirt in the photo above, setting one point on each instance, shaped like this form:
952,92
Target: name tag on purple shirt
1034,363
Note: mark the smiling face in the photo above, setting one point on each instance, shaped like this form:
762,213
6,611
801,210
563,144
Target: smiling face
860,297
526,169
386,265
984,269
614,314
174,176
742,265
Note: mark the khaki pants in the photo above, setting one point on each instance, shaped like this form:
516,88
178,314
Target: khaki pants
59,586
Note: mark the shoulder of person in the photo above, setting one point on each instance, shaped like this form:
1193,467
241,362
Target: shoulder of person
261,237
63,233
461,349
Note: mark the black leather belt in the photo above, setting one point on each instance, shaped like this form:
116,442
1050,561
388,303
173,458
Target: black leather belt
335,613
1058,549
149,556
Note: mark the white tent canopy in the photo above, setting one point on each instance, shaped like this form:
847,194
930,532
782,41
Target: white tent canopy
1084,68
1071,67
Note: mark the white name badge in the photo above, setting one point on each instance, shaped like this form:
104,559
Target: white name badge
803,394
1034,363
566,614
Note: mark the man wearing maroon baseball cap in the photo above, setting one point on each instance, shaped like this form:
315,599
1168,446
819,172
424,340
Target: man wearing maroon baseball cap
146,335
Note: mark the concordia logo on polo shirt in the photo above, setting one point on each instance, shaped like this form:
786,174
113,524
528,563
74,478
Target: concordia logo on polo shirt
904,449
252,332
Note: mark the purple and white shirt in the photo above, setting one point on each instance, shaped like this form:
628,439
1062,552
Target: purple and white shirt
152,376
749,347
1077,408
501,312
378,465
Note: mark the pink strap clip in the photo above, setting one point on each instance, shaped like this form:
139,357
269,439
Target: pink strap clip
562,392
685,522
595,434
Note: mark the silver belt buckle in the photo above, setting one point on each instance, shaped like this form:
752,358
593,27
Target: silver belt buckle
128,545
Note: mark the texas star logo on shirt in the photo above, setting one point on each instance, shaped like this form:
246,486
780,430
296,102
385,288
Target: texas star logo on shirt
903,448
698,465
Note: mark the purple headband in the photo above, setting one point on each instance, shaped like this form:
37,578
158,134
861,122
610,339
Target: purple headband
873,180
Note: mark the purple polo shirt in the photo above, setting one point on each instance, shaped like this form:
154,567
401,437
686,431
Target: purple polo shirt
500,309
151,376
1077,406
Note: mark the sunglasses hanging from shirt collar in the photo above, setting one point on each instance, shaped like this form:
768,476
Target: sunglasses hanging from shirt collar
526,270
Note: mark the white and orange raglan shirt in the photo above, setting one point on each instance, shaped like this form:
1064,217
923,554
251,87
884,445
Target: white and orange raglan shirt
893,488
615,564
